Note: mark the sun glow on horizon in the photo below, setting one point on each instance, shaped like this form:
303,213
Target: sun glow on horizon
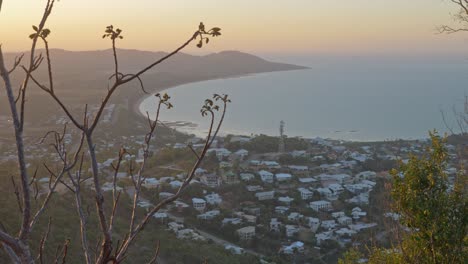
297,26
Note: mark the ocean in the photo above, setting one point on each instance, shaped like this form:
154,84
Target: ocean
350,99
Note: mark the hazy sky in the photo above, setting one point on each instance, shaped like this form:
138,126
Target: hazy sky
261,26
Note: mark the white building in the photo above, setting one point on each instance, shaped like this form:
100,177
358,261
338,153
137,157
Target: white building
262,196
266,176
295,216
329,224
314,223
199,204
296,247
213,199
232,221
281,209
283,177
209,215
242,153
285,200
247,176
246,233
320,205
306,194
291,230
345,220
275,225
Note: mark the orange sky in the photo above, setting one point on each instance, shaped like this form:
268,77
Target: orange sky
262,26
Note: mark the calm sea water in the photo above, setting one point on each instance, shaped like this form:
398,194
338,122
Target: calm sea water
348,99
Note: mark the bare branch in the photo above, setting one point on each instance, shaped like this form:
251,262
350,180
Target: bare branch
16,63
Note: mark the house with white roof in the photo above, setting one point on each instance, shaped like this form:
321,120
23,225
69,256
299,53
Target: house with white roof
211,180
281,209
213,199
262,196
150,183
285,200
231,221
314,223
275,225
246,233
247,176
357,213
295,216
345,220
242,153
291,230
345,232
254,188
320,205
306,194
307,180
266,176
327,193
321,237
283,177
329,224
270,164
209,215
295,247
340,178
337,214
199,204
220,152
175,184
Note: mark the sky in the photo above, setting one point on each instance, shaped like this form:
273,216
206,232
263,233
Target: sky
259,26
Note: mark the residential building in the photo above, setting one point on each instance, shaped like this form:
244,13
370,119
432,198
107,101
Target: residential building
320,205
246,233
232,221
283,177
285,200
230,178
266,176
275,225
329,224
262,196
306,194
314,223
211,180
281,209
295,247
247,176
291,230
199,204
209,215
345,220
213,199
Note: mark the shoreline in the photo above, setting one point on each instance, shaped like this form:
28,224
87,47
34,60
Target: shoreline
189,127
136,104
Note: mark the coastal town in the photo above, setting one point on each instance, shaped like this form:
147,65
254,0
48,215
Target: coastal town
275,198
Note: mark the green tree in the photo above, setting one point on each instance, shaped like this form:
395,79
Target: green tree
434,214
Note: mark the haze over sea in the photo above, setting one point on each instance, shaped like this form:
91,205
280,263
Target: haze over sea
351,98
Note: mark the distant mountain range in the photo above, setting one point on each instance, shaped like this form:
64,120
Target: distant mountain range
101,62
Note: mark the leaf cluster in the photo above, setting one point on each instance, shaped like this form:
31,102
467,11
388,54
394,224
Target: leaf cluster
112,34
214,32
43,34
